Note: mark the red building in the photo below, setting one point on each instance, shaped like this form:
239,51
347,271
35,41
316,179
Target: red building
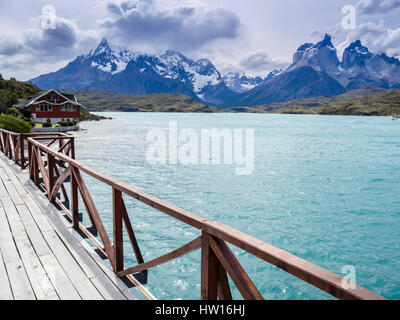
52,106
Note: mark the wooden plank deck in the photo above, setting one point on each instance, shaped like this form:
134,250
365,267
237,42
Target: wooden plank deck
41,256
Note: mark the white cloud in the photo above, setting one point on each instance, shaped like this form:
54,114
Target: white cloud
180,27
371,7
8,46
59,40
44,49
260,61
377,37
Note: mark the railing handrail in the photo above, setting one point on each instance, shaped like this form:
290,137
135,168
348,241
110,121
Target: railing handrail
33,134
300,268
13,144
178,213
10,132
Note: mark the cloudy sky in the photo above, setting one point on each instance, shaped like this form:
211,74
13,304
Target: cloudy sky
255,36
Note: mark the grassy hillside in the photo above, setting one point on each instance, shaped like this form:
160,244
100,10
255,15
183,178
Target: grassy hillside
369,102
96,100
12,90
381,104
87,116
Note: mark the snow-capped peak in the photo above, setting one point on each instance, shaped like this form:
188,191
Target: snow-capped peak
358,48
322,56
326,42
240,82
110,58
201,73
103,47
355,55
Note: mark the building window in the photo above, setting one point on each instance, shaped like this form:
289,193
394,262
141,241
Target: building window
48,121
68,107
44,107
52,98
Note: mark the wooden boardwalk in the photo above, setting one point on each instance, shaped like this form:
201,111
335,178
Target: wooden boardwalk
41,256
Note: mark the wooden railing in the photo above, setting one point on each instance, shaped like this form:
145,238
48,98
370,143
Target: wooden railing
50,169
13,145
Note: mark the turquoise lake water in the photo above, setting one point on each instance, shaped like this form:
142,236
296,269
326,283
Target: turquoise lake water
326,189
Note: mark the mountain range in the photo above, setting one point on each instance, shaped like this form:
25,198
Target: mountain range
316,71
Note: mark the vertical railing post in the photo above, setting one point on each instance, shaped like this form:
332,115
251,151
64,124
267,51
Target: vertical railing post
22,150
209,269
9,147
35,163
73,148
2,144
5,143
50,165
60,144
118,232
74,201
14,149
30,160
5,138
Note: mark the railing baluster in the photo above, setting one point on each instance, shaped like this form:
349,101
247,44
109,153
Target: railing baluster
209,269
94,215
74,202
8,145
30,160
235,270
36,165
131,234
72,148
75,172
22,151
118,232
224,290
50,166
62,185
15,148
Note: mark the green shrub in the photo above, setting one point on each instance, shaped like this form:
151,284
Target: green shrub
13,112
10,123
47,125
57,126
67,123
32,124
